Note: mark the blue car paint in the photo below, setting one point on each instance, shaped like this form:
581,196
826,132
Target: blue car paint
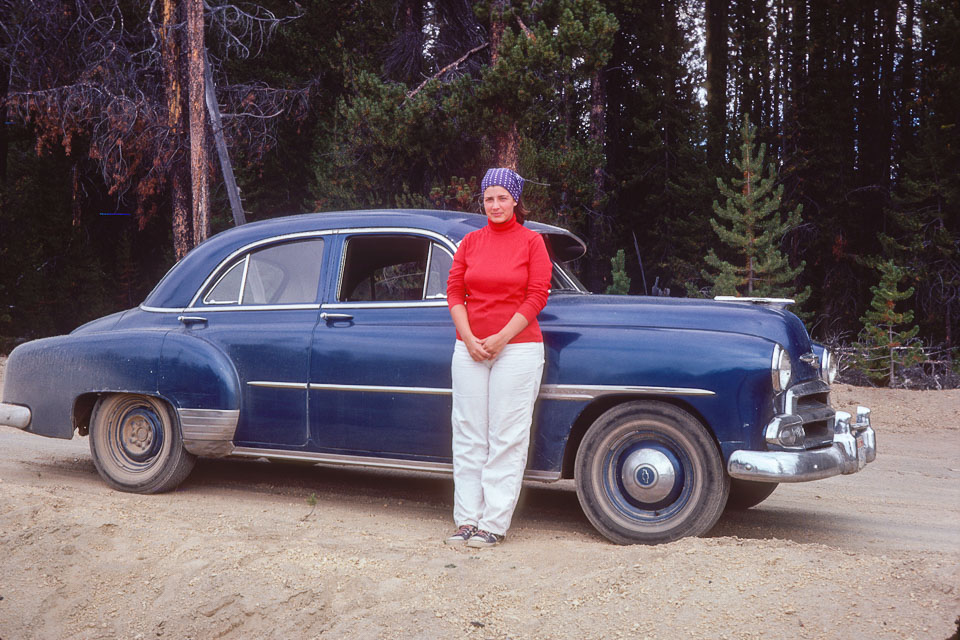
597,340
48,375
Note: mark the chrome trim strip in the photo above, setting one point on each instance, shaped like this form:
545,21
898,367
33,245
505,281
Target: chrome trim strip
369,461
278,385
591,391
14,415
243,279
313,306
547,391
144,307
208,432
419,304
777,303
437,391
426,272
253,245
386,230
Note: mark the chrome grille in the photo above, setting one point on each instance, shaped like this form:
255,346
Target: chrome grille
810,401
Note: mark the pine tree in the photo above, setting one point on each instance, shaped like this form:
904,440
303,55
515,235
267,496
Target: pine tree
752,228
620,284
883,347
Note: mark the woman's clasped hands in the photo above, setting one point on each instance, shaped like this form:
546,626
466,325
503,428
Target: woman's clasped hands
488,348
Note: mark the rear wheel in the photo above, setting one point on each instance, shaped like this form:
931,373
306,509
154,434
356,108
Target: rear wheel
745,494
649,472
136,444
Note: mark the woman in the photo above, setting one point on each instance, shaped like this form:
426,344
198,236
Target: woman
498,284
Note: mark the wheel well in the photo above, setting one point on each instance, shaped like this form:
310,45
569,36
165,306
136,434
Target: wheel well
598,407
85,402
82,410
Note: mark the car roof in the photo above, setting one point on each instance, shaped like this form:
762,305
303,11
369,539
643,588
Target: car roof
184,279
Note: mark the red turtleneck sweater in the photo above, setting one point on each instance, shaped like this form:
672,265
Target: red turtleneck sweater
500,270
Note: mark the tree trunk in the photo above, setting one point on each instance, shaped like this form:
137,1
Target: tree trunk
506,141
198,123
716,54
226,167
170,52
907,87
598,110
4,143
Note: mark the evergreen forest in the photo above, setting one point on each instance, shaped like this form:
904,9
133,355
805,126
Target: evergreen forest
780,148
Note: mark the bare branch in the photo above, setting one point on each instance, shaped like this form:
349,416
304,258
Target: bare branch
452,65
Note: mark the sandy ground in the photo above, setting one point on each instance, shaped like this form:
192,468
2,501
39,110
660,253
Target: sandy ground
239,552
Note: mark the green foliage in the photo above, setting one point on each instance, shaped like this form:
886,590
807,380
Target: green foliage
57,271
922,220
459,195
752,229
620,284
884,346
389,138
606,100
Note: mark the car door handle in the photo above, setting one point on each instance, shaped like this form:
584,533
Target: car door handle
335,317
188,320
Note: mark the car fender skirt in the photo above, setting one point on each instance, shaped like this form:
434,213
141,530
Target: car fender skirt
13,415
208,432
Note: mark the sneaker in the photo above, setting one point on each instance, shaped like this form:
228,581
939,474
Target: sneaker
464,533
482,539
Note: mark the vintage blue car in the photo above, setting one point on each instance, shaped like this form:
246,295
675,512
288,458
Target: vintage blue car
326,338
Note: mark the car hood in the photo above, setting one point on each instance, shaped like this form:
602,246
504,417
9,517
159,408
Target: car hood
776,325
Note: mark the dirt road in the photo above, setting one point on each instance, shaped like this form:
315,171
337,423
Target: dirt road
241,551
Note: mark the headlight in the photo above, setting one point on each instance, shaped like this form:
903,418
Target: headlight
828,367
780,369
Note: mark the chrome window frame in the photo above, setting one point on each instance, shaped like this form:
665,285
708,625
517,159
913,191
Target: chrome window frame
426,280
249,248
439,238
226,272
243,281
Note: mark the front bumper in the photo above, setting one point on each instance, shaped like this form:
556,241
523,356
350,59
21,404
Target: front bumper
854,446
14,415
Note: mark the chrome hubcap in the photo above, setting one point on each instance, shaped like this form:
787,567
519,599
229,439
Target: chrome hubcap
648,475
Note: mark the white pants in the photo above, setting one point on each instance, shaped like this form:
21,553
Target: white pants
492,411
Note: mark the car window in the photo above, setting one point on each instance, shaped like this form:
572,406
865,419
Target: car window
393,267
439,269
227,288
286,273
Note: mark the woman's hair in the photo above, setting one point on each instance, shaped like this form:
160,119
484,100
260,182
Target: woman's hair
520,212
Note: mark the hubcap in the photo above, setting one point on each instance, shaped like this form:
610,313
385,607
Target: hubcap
648,475
141,434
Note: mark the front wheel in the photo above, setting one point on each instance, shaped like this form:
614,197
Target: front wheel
136,444
649,472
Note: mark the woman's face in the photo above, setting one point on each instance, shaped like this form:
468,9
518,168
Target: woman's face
498,204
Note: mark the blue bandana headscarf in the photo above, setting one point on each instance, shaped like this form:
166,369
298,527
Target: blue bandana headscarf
505,178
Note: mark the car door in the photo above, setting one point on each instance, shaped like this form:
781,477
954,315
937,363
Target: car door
380,362
260,307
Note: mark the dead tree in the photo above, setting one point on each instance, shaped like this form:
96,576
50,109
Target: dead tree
108,82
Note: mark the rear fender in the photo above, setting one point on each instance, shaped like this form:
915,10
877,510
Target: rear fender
202,384
50,374
60,378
